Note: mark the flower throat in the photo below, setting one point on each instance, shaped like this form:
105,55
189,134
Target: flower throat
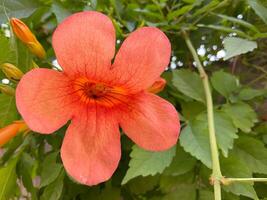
97,92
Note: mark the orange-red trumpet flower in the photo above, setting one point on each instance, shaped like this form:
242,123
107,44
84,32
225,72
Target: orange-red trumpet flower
99,97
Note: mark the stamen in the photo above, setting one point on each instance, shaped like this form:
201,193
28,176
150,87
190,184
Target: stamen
101,93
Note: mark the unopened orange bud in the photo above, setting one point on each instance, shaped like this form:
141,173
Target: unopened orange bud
22,31
11,71
10,131
157,86
37,49
6,89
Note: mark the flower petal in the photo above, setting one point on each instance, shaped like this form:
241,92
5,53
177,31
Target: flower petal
142,57
84,43
152,122
91,148
44,100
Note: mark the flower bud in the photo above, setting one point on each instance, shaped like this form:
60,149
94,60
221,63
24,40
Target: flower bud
37,49
22,31
12,130
11,71
6,89
157,86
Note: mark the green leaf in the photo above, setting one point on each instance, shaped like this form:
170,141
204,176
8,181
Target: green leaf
250,93
17,8
54,190
224,83
235,168
6,53
179,12
225,131
235,46
171,183
141,185
206,195
242,114
259,9
196,143
191,109
229,196
195,138
253,153
189,83
25,169
8,110
59,10
8,179
24,61
206,8
50,169
184,191
144,163
224,29
238,21
181,164
110,193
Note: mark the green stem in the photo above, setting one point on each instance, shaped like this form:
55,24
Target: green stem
216,170
231,180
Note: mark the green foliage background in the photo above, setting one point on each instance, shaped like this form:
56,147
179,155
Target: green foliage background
30,165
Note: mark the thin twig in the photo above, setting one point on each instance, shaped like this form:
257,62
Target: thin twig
227,181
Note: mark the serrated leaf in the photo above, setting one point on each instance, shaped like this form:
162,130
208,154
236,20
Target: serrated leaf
224,83
196,143
242,114
182,163
8,179
225,131
259,9
233,167
8,110
235,46
144,163
195,137
189,83
253,153
17,8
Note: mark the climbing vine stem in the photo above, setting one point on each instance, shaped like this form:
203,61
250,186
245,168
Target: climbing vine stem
216,170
